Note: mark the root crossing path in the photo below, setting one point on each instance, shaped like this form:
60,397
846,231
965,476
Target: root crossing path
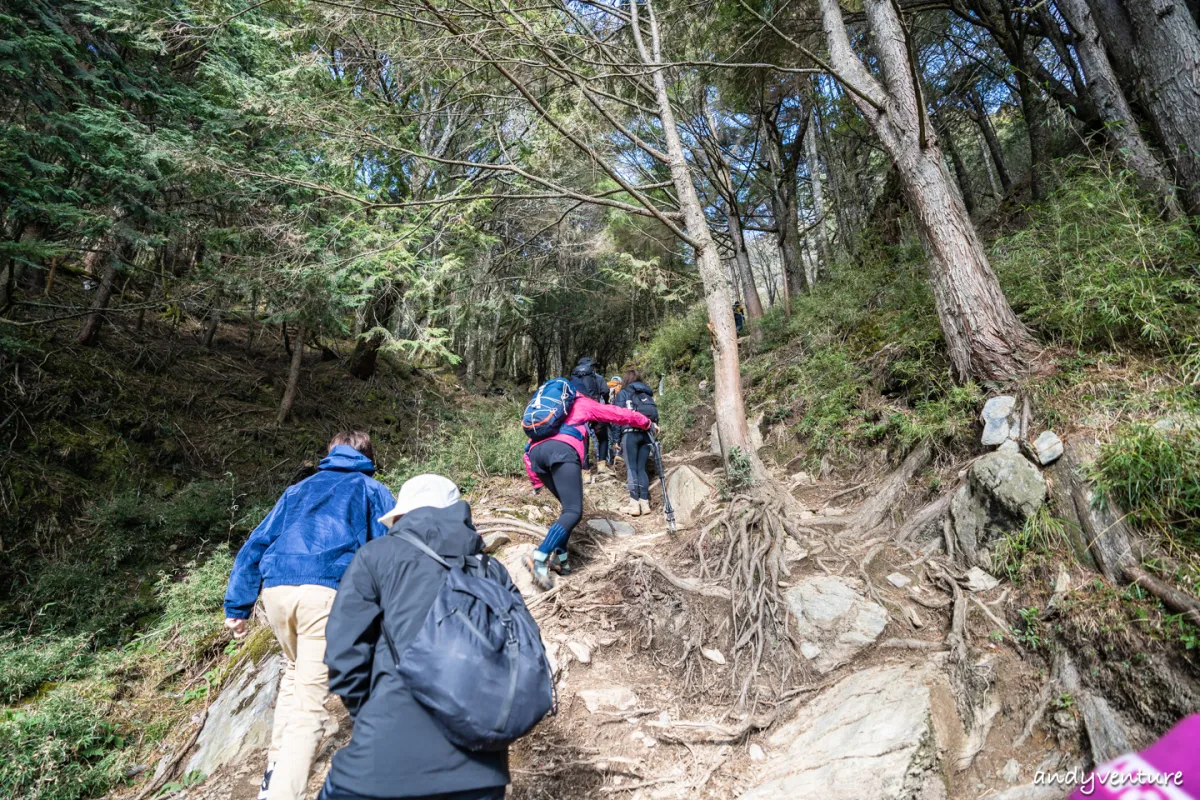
906,683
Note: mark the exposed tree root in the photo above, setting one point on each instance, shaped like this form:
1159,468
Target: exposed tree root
714,733
879,507
926,516
756,526
681,583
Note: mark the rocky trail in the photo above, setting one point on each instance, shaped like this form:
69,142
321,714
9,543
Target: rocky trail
914,685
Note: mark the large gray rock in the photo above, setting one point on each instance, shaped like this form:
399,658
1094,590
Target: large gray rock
869,737
1002,490
689,491
611,527
240,720
512,558
837,619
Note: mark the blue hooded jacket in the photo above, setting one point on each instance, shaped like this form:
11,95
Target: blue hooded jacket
313,532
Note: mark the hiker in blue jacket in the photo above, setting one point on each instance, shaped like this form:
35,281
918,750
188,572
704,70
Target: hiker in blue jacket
296,558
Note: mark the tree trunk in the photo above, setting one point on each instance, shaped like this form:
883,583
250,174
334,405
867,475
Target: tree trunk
1037,122
251,323
813,157
1167,55
754,309
1117,31
365,357
984,337
984,122
960,169
214,322
730,407
985,157
493,349
289,394
90,328
1120,125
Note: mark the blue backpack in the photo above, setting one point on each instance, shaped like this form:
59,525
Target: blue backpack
548,410
477,664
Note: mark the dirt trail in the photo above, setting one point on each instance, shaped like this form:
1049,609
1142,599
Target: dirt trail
645,702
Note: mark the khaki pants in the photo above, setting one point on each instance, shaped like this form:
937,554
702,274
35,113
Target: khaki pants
298,615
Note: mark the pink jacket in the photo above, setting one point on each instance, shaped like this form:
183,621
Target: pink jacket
584,411
1167,770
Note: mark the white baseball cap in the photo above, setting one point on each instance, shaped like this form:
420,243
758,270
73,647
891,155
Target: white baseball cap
423,491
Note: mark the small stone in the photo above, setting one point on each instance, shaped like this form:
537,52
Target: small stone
636,735
980,581
650,741
617,698
809,650
914,617
995,432
998,407
757,754
611,527
1048,447
1012,771
552,659
1009,447
494,541
664,718
582,653
806,514
802,478
714,656
898,580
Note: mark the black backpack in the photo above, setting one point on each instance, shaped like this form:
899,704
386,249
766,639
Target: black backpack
477,664
642,402
586,382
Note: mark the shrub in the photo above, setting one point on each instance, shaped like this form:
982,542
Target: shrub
192,606
59,749
1154,475
1096,265
480,440
675,406
681,345
29,664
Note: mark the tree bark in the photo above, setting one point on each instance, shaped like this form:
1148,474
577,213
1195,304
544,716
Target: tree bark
1167,56
90,328
813,156
1117,31
1114,110
985,339
733,430
289,394
252,322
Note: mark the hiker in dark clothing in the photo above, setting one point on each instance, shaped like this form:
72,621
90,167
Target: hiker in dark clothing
557,463
587,381
397,749
635,444
739,316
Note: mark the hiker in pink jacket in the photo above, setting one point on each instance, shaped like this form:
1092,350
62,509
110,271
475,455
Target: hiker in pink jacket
1169,769
557,464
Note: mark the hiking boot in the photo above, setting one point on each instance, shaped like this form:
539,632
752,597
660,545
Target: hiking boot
264,789
558,563
601,467
644,505
631,508
538,567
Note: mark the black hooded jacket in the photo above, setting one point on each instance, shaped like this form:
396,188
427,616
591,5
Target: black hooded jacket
626,398
585,379
396,749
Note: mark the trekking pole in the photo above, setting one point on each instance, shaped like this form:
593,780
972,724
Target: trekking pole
656,448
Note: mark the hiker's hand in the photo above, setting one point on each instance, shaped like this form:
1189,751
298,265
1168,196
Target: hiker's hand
655,430
238,626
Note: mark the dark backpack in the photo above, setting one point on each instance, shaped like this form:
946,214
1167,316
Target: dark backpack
477,664
548,409
587,382
643,403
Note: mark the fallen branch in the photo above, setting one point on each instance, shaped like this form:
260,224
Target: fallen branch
169,772
913,644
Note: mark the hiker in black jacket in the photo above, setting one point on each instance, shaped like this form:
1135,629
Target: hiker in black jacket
588,381
396,749
635,444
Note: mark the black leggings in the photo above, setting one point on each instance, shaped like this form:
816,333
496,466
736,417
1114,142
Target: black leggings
637,453
600,429
557,467
330,792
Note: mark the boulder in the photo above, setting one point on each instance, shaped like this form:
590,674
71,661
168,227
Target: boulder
494,541
980,581
1048,447
521,578
239,721
689,491
611,527
868,737
834,617
1002,490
